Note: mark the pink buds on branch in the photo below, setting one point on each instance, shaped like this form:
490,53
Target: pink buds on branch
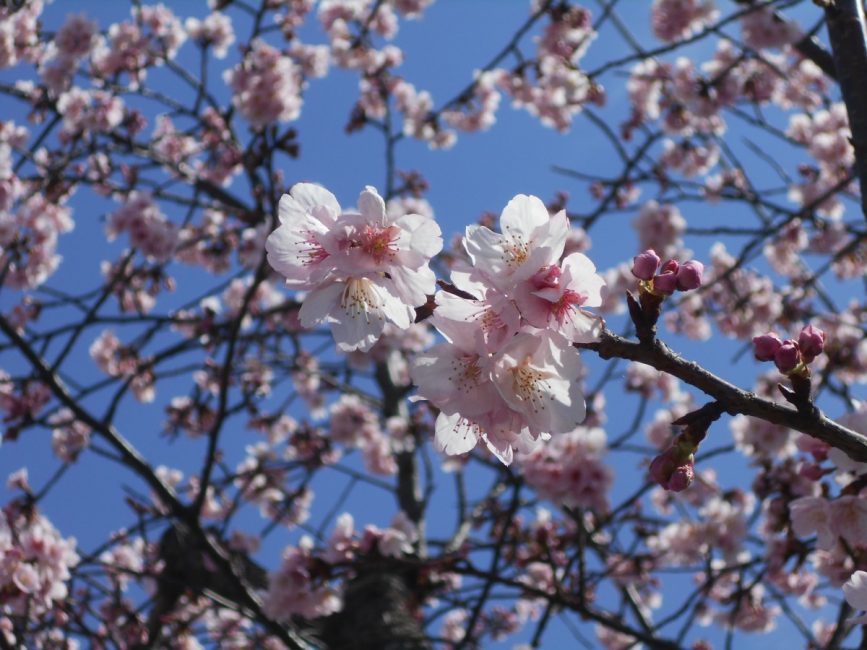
793,358
654,286
674,469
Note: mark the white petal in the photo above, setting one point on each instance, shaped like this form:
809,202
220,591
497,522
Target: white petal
320,304
455,434
582,327
522,215
304,198
425,234
855,590
395,309
485,248
289,253
371,205
414,286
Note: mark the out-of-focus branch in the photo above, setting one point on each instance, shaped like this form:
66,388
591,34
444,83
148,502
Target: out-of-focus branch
735,400
846,31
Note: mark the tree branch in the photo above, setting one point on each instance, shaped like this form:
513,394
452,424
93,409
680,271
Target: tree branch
846,32
733,399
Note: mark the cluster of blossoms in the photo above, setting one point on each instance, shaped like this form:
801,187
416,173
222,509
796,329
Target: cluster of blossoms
790,356
69,436
508,374
35,562
302,587
117,360
673,20
73,41
19,34
214,31
827,136
89,112
355,424
560,89
148,228
151,38
266,85
569,470
363,268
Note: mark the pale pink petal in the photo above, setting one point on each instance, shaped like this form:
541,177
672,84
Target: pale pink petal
320,303
455,434
371,206
855,590
522,215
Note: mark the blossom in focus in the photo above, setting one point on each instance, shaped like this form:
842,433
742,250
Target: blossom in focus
508,374
530,240
364,267
553,297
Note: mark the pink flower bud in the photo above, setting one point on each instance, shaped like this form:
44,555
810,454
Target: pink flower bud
689,275
787,356
665,283
548,277
670,266
672,471
681,478
766,346
645,264
812,343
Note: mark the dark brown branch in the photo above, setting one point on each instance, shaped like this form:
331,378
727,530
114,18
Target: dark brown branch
733,399
846,31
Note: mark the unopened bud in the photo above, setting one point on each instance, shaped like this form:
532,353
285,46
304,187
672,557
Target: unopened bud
645,264
689,275
671,470
765,346
787,357
811,342
665,283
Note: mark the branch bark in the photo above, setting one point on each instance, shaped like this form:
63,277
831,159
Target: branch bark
733,399
846,31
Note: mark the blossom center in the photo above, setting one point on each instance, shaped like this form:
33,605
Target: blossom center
531,385
548,277
359,298
568,301
516,249
466,372
378,243
311,251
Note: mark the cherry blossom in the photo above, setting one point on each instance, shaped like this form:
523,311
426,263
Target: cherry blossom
365,268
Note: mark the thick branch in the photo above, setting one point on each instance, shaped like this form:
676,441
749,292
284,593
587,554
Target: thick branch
846,32
732,398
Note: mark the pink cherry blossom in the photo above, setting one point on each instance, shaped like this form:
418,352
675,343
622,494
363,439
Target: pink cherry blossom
530,240
812,515
266,85
554,296
537,376
366,268
675,19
